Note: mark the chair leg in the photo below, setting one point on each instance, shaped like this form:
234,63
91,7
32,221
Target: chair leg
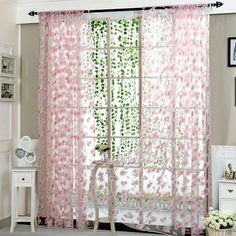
12,227
32,225
95,200
111,203
95,228
113,229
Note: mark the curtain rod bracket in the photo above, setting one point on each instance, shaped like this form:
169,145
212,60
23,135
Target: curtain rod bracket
216,4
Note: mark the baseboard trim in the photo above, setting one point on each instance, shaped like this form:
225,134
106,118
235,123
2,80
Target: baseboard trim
5,222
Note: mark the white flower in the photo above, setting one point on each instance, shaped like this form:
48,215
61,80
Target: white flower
213,222
218,220
221,221
230,222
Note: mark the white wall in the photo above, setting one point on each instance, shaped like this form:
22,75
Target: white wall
223,109
9,111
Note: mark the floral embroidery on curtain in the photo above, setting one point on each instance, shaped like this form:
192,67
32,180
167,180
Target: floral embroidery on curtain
175,118
65,118
163,184
161,146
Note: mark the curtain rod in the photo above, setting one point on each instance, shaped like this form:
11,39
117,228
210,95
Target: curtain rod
216,4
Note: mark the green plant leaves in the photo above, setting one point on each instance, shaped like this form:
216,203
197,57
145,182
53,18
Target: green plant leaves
123,78
124,63
125,33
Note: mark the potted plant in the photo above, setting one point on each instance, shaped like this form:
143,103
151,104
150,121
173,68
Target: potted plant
219,223
103,150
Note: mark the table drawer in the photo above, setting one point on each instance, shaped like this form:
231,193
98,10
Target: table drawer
227,205
227,190
22,179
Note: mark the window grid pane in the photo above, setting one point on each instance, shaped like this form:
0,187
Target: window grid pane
116,88
125,33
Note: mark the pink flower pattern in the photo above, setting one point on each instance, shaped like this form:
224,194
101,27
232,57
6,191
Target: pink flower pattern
175,117
170,170
64,119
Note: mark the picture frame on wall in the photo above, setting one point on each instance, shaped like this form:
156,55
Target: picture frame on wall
231,51
7,91
7,65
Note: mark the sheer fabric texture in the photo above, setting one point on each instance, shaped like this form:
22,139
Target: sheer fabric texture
163,185
175,118
64,118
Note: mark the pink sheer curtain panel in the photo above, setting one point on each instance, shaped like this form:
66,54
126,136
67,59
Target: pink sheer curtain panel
162,186
63,118
175,118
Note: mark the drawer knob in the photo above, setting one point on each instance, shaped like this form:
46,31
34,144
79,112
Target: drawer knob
23,179
230,190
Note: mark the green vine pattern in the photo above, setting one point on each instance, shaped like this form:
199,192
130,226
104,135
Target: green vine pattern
124,71
124,63
122,147
125,92
125,122
125,33
99,33
99,58
101,122
100,93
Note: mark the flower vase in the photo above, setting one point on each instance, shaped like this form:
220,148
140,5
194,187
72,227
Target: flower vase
105,156
221,232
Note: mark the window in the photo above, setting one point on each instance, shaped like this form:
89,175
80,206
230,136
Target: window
116,67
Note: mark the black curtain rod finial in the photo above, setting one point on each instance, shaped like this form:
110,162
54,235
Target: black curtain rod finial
219,4
33,13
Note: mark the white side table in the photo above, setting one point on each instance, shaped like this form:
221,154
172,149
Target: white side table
227,195
109,165
23,177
